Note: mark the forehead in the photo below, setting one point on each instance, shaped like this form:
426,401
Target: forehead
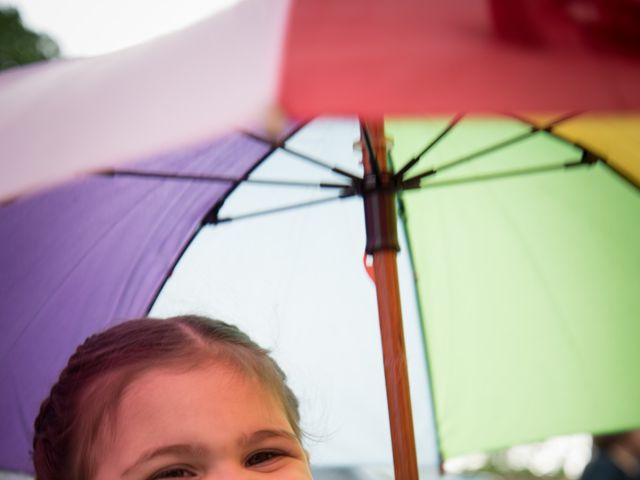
215,405
216,389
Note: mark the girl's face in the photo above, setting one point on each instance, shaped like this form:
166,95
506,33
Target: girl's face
208,423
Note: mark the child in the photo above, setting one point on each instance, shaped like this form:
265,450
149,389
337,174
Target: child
186,397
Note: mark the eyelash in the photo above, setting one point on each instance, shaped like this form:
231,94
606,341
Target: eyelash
254,459
270,454
171,473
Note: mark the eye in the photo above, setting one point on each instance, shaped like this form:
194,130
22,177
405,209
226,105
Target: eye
263,456
175,472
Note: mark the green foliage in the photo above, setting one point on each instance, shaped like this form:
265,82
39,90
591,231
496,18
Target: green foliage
19,45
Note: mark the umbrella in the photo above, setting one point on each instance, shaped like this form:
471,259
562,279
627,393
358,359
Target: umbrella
377,194
95,278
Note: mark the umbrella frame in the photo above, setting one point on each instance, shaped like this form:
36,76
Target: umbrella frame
379,194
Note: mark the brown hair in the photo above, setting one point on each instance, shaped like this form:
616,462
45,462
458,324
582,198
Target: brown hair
91,385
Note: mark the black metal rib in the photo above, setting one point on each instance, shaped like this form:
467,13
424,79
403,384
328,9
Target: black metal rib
315,161
220,178
623,175
305,157
375,166
281,209
212,214
435,141
404,222
497,175
492,148
548,126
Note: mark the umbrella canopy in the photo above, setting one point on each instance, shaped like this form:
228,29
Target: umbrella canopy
411,56
528,279
517,276
366,57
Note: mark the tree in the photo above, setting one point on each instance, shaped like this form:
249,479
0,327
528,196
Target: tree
19,45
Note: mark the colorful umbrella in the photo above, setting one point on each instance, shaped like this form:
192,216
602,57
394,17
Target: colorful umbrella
143,264
521,279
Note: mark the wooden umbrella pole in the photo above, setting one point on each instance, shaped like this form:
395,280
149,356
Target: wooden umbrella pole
382,243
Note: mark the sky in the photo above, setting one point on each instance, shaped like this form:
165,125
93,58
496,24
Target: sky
86,28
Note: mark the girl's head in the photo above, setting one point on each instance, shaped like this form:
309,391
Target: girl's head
155,399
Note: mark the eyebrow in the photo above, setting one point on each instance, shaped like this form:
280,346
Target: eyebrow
266,434
201,450
177,449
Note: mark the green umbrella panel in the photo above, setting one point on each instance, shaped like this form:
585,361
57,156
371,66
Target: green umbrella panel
527,262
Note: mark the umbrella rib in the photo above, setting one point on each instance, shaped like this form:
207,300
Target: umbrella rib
169,272
492,148
404,222
454,121
218,178
284,208
621,173
498,175
320,163
375,166
551,124
305,157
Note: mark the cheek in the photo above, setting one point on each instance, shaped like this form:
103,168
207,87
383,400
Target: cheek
302,472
